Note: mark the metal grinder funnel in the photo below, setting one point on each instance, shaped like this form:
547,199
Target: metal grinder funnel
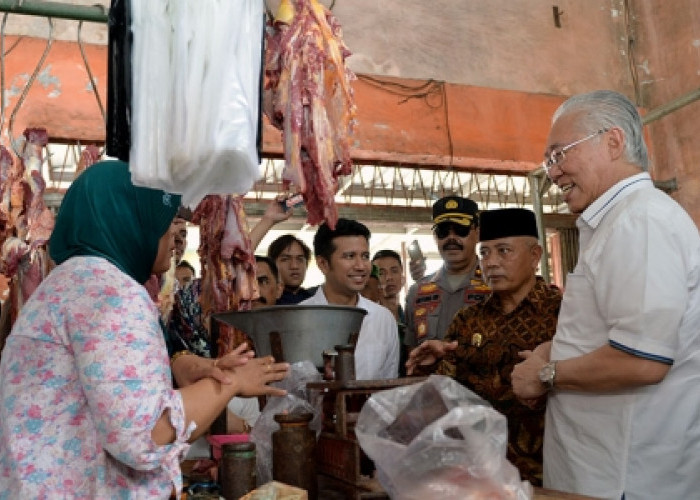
297,332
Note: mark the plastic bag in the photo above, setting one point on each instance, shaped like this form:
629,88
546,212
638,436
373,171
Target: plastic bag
300,374
196,88
296,401
437,439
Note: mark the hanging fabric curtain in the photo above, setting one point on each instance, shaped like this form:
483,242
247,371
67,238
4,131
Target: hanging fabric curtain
196,87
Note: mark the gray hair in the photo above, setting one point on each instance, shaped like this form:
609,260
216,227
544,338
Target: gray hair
607,109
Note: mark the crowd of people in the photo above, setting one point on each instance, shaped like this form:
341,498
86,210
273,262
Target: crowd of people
597,382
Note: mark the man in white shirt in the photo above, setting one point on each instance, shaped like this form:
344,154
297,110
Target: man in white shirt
623,369
342,255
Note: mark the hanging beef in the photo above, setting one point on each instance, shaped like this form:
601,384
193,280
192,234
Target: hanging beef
25,221
88,157
310,99
228,263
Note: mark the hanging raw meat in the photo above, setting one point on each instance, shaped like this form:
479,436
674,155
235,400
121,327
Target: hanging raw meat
8,176
89,156
310,99
228,263
25,221
38,218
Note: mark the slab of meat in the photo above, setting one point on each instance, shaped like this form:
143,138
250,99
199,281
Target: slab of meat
40,219
310,99
7,175
37,218
12,253
228,263
89,156
25,221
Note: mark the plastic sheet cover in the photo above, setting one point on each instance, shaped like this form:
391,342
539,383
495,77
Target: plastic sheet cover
437,439
196,86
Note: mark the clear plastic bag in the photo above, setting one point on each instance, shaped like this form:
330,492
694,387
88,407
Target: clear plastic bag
300,374
296,401
437,439
196,86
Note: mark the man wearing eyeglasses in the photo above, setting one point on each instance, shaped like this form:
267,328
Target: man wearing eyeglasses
433,301
622,373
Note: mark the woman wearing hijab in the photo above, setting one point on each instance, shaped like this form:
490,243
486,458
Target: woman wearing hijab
87,407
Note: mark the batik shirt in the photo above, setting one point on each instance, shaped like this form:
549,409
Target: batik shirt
83,379
186,329
488,346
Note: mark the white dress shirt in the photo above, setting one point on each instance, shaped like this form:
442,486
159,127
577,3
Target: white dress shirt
636,287
377,350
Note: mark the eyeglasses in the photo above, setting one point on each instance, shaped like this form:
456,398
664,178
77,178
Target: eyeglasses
557,156
442,230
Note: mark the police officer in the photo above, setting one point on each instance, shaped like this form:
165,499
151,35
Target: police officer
433,301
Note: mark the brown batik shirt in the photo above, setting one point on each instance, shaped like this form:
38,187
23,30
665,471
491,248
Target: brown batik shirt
488,346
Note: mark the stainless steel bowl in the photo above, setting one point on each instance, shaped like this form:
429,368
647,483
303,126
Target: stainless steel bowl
296,333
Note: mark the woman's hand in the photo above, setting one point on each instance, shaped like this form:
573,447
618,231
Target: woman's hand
205,398
251,379
238,357
191,368
275,212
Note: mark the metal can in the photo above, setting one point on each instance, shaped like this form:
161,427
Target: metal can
345,363
238,473
294,452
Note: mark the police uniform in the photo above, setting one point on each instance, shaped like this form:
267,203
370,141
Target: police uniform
432,303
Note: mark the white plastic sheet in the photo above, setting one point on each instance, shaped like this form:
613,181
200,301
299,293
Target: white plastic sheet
437,439
196,84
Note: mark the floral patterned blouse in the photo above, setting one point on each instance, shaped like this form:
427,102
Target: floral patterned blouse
83,379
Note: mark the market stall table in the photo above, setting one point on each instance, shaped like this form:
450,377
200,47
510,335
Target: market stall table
334,489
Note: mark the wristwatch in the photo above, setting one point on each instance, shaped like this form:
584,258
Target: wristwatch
547,374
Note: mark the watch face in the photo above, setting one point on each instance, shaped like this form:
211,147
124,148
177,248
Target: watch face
546,374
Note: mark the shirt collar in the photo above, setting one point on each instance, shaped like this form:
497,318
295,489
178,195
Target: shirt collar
534,297
441,274
618,192
321,294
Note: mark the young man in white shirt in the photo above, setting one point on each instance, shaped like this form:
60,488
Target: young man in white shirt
342,255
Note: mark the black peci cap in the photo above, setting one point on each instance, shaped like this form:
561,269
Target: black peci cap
506,222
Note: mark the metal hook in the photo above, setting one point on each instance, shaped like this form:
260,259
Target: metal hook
2,71
3,53
89,72
268,12
28,86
